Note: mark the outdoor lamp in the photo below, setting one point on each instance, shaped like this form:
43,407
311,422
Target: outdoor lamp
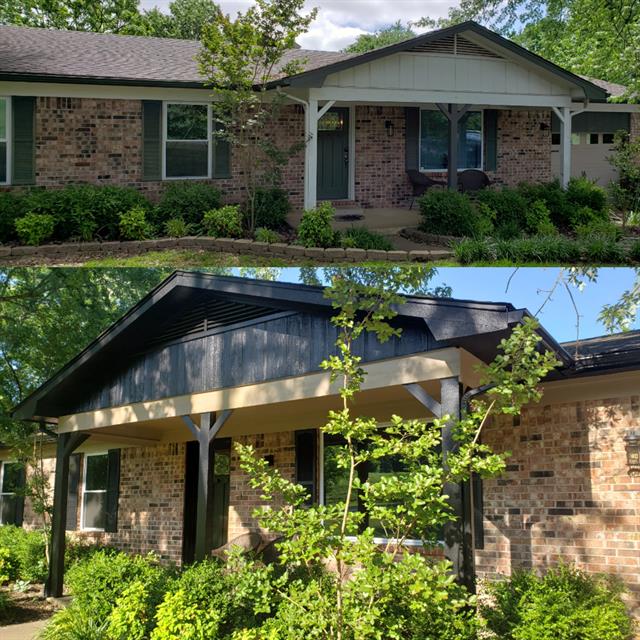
632,440
388,125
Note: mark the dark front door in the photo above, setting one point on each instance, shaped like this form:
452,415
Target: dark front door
333,155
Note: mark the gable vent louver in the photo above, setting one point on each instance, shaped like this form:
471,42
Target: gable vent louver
455,45
205,317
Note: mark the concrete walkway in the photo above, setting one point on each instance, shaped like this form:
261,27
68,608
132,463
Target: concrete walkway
27,631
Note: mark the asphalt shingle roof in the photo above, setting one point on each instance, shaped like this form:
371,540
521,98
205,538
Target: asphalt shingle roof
102,56
616,351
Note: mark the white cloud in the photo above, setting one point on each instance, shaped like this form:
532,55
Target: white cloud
340,22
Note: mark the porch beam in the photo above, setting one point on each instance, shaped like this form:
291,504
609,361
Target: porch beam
424,398
311,154
453,113
66,444
457,533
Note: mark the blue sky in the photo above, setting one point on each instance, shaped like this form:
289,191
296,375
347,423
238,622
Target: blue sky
528,288
340,22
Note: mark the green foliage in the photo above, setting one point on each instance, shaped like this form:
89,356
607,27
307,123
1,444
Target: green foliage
5,565
134,225
554,198
177,228
634,251
582,192
362,238
271,207
472,250
565,603
447,212
625,191
10,211
551,249
390,34
35,228
24,554
266,235
601,249
602,228
508,211
75,623
225,222
187,200
315,229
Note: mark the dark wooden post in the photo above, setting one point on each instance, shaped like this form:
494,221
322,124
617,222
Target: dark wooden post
210,424
67,443
453,113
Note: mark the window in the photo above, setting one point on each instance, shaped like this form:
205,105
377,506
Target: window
188,136
434,141
94,491
336,480
594,138
4,140
555,138
608,138
576,138
10,482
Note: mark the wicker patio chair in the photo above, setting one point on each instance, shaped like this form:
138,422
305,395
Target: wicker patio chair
472,180
420,183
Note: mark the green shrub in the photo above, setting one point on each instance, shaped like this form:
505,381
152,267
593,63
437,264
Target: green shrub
565,603
26,559
262,234
315,229
582,192
75,623
470,250
133,615
225,222
35,228
99,580
538,219
586,216
177,228
11,209
554,198
509,210
451,213
602,228
634,251
601,249
362,238
271,207
187,200
134,225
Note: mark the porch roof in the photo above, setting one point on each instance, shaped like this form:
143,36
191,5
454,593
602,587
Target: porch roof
476,327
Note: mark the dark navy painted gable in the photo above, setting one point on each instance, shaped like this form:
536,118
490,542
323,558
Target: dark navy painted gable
266,350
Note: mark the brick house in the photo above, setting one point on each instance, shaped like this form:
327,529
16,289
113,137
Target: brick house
146,417
106,109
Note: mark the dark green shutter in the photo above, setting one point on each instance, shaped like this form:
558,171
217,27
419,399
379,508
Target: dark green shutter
23,156
307,460
152,140
490,139
221,150
113,490
72,493
412,141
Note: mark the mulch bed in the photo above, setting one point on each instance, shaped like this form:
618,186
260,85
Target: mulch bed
26,607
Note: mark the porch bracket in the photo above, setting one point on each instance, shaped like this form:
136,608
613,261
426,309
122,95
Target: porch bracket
67,443
424,398
325,108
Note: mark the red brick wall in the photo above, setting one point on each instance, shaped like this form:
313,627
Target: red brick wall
567,493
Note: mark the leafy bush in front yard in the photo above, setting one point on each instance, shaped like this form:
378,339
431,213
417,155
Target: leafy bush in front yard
362,238
565,603
134,225
187,200
451,213
315,228
35,228
262,234
24,554
601,249
554,198
10,210
507,209
634,251
582,192
225,222
177,228
271,208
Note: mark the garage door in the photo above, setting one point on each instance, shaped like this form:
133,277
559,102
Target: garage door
591,145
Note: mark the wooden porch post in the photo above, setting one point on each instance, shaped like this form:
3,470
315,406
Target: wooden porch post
210,425
311,154
67,443
565,117
453,113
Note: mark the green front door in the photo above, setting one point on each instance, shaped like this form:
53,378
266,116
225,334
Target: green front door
333,155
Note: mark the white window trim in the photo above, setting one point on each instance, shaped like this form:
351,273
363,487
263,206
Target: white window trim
481,167
85,491
409,542
3,464
8,139
209,141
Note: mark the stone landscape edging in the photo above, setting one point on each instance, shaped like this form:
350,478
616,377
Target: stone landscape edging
223,245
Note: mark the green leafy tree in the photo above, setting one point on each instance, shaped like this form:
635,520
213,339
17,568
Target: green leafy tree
396,32
368,591
185,20
240,57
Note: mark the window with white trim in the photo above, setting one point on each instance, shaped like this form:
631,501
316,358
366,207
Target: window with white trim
187,140
4,140
94,491
434,140
10,480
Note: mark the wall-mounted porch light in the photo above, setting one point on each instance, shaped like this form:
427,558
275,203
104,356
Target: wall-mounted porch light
389,126
632,440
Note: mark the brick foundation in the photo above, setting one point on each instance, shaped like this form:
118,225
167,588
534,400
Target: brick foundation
567,493
99,141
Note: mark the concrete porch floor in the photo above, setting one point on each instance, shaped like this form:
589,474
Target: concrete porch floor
387,221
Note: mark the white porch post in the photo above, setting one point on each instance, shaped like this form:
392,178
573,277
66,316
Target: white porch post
564,115
311,154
